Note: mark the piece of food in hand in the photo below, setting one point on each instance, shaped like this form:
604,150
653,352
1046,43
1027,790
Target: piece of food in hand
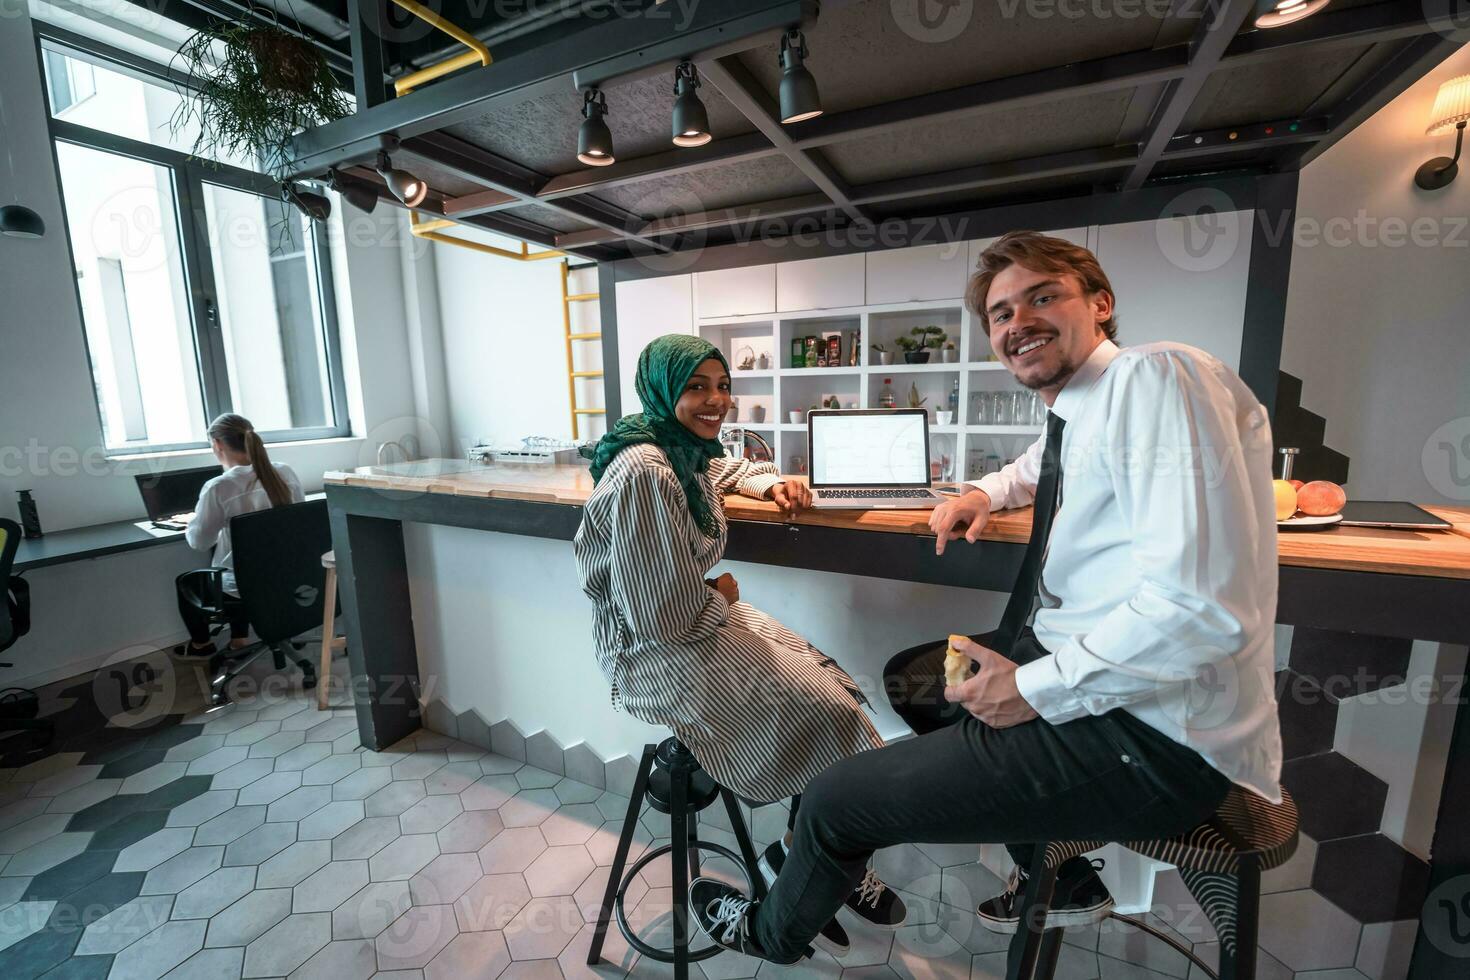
956,664
1320,498
1285,499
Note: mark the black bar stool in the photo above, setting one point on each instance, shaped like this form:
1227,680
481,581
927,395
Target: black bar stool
671,779
1220,861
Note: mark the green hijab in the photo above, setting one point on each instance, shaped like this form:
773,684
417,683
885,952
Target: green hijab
664,368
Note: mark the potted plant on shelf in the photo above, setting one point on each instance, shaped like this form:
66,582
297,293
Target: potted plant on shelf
259,86
950,352
885,356
920,341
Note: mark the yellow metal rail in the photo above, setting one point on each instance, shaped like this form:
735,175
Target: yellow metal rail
567,299
430,231
477,51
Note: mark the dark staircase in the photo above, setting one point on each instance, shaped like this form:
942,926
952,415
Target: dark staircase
1295,426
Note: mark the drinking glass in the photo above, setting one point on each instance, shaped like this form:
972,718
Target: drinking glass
1001,408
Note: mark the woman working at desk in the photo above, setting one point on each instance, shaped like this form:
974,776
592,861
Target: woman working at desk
249,483
761,709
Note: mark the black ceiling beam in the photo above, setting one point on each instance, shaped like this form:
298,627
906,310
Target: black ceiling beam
1382,87
1099,160
746,93
469,162
1372,24
365,21
543,70
1032,88
1222,21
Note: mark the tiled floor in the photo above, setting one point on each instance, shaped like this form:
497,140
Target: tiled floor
261,840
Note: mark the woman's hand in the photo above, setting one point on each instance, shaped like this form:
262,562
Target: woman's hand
792,497
726,586
962,517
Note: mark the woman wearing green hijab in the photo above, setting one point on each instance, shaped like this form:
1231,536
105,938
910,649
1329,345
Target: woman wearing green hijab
760,707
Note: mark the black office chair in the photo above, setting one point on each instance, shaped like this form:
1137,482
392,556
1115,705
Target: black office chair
280,578
18,705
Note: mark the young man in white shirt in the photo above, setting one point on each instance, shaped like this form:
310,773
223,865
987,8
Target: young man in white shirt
1144,689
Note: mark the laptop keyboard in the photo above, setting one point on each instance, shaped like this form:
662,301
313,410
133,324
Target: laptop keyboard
871,494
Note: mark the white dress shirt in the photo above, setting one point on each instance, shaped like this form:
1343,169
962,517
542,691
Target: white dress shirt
234,492
1158,589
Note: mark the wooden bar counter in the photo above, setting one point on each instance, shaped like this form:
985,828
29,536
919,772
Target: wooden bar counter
1344,589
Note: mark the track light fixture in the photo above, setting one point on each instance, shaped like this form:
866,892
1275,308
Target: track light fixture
404,185
361,194
799,98
1278,13
594,139
317,207
691,121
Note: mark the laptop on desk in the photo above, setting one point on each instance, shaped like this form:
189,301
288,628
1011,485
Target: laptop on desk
869,459
169,494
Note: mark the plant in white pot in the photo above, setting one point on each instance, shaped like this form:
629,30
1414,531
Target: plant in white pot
885,356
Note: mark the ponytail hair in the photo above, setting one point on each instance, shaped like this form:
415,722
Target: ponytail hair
236,433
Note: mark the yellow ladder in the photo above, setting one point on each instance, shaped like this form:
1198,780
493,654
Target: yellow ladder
567,299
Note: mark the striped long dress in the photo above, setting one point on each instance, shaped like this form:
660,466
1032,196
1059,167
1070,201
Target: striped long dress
761,709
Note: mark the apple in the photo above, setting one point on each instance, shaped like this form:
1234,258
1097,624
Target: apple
1321,498
1285,498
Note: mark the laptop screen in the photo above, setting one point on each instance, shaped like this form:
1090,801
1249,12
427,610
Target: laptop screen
871,448
174,492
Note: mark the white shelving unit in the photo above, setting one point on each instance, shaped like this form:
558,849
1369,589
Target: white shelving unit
783,388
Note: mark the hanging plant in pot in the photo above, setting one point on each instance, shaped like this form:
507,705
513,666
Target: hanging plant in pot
259,85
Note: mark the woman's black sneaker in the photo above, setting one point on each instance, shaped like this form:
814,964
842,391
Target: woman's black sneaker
832,938
723,914
1080,898
873,903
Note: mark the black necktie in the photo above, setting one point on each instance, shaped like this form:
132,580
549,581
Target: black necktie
1048,487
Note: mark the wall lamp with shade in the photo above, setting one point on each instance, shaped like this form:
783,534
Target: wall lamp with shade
1279,13
1451,109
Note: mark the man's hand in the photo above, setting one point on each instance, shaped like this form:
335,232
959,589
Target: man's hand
726,586
792,497
961,517
991,695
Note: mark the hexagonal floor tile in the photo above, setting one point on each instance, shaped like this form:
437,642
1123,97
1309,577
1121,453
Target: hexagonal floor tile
330,820
469,831
512,850
443,880
182,870
453,778
491,903
304,755
404,859
84,796
299,803
349,959
293,864
430,814
470,954
559,870
287,944
268,789
365,838
394,798
416,937
124,925
253,732
419,764
529,808
371,910
260,844
242,774
47,854
330,886
209,964
161,950
573,824
214,893
543,928
154,849
248,918
231,825
489,792
202,808
362,783
330,769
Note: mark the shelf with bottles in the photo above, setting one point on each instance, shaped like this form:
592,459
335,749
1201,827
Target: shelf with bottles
935,392
817,391
847,330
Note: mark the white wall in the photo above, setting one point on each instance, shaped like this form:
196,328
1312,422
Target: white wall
1375,322
505,355
50,435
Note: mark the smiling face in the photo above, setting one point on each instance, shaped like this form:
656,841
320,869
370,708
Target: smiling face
705,400
1044,325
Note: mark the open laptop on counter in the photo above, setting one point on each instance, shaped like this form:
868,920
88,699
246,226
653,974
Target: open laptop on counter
868,459
170,496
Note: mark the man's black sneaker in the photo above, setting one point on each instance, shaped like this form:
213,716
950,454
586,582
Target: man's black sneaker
723,914
832,938
872,903
1080,898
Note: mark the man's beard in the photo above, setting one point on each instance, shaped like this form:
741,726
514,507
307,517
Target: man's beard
1064,370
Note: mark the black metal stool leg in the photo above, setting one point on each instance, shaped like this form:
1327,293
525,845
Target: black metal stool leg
620,856
747,849
1026,945
1241,965
1046,957
679,829
695,865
